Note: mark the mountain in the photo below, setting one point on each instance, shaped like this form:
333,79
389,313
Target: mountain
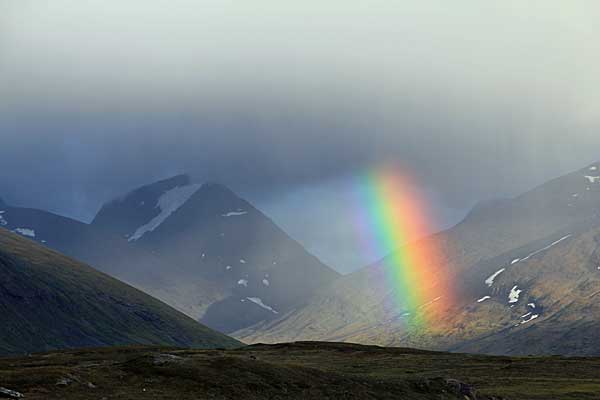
222,260
198,247
108,252
543,300
523,246
42,226
49,301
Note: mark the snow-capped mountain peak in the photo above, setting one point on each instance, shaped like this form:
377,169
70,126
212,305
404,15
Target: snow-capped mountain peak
145,208
168,203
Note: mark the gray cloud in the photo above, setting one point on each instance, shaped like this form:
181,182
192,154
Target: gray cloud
282,101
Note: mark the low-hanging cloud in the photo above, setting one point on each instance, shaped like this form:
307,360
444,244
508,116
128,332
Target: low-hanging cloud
478,100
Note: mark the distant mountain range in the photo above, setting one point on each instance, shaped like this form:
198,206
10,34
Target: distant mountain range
525,271
198,247
49,301
527,280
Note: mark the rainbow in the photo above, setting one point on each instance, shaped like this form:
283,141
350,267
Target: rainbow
396,217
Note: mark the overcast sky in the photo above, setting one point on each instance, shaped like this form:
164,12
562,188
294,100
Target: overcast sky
288,102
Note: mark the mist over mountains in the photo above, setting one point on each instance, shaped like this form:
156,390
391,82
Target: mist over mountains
303,200
198,247
276,109
522,269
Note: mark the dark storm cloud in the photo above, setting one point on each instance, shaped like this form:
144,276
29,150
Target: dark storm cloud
277,100
72,162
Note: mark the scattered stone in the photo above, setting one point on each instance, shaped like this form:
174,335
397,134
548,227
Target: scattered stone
64,382
462,389
165,358
10,394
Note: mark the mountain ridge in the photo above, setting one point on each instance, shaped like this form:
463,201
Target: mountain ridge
50,301
198,247
352,308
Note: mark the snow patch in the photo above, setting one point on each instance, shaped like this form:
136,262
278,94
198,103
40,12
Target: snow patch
242,261
593,168
3,222
532,305
516,260
228,267
234,213
546,248
25,232
531,318
513,296
592,179
258,301
243,282
490,280
266,282
484,298
168,203
431,302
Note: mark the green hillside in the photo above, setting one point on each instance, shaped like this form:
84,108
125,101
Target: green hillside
49,301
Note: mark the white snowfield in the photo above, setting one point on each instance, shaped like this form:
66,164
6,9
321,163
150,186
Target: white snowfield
25,232
592,179
168,203
234,213
258,301
490,280
513,296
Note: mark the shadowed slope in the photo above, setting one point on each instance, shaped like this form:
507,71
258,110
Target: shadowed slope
49,301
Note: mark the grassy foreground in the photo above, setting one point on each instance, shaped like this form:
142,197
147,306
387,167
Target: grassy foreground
303,370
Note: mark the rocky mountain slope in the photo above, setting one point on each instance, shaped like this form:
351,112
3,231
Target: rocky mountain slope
501,253
49,301
109,252
253,269
198,247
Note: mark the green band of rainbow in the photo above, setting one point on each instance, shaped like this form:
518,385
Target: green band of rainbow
396,216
